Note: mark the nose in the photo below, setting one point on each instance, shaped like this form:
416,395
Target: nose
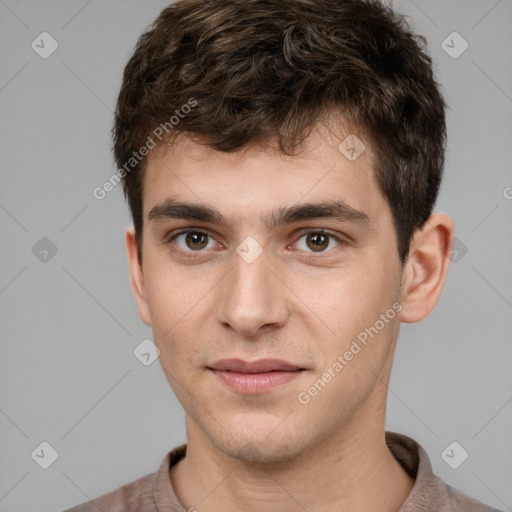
252,298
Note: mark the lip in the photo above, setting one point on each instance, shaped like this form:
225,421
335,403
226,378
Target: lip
259,366
254,377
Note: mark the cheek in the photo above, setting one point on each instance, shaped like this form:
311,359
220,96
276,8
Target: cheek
347,299
352,357
350,304
172,304
172,290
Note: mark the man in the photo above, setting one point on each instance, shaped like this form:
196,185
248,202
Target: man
281,160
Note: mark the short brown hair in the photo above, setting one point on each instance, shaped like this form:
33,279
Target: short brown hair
267,70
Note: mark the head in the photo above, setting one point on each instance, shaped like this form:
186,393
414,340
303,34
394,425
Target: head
301,143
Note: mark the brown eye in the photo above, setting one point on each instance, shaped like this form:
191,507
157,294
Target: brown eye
196,241
317,241
191,241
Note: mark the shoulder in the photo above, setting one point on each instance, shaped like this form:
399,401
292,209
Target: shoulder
149,493
454,500
133,496
430,493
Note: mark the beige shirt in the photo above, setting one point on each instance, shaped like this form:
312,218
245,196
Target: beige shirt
154,492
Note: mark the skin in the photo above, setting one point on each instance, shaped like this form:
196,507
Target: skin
269,451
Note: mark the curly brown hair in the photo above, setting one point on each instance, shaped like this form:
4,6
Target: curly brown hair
268,70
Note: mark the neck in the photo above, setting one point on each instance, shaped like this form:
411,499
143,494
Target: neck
351,470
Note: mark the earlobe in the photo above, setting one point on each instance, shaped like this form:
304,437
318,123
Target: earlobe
426,268
136,276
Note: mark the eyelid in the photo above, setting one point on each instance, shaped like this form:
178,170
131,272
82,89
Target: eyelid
336,236
170,237
322,254
173,234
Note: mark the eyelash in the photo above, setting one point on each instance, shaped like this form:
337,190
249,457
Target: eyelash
196,254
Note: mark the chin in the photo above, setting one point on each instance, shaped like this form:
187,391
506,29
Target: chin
259,447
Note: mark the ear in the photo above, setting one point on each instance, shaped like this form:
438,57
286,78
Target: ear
425,270
137,276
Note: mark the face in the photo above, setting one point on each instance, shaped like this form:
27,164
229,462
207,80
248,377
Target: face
291,259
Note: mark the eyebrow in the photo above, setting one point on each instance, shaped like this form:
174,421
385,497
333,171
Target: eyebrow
337,210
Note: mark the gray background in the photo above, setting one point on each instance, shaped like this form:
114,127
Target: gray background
69,325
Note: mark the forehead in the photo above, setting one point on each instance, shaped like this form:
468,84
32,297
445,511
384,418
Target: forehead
260,178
